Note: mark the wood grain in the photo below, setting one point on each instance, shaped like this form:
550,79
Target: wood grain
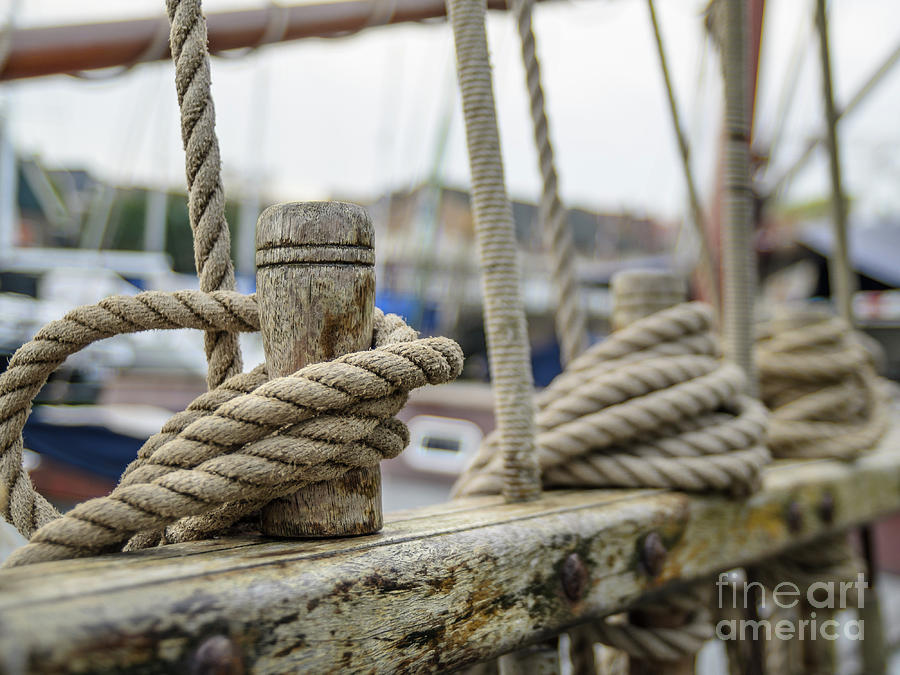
315,285
435,590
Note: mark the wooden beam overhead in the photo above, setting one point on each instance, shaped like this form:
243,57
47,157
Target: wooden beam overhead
36,52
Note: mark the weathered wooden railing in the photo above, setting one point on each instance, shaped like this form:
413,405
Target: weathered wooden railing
438,588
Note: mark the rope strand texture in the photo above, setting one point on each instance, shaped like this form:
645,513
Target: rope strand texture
571,325
504,312
234,448
206,196
820,383
33,363
652,406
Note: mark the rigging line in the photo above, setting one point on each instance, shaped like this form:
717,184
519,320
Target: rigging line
505,325
789,86
842,281
157,48
707,260
696,114
570,320
783,182
738,253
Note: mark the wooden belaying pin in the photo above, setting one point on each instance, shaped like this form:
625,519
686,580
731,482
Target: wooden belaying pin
315,286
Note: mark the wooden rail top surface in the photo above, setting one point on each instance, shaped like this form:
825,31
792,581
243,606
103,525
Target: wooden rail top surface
436,589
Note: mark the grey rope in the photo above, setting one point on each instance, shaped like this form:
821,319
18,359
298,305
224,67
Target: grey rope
505,326
571,325
206,197
739,261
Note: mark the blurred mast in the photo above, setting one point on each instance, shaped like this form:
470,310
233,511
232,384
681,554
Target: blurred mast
35,52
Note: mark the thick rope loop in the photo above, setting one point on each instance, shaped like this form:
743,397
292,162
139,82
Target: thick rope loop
34,362
234,448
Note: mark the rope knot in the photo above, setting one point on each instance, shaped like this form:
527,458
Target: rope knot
234,448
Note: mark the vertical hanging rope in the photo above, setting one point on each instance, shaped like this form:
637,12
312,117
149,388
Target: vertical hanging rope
507,335
738,256
839,271
709,278
206,197
571,326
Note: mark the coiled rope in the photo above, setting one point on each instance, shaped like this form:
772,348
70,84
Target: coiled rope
233,449
652,406
820,383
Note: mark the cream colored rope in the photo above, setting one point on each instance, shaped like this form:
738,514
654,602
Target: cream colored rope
642,410
571,325
505,326
206,197
235,448
827,402
821,385
651,406
33,363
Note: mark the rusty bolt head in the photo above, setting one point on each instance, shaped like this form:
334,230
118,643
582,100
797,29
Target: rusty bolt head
653,554
826,509
574,577
217,655
794,517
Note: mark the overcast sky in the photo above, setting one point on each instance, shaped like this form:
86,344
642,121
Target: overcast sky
360,115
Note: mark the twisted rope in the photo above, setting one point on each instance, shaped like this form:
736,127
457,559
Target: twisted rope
820,383
206,197
507,335
571,325
641,410
33,363
661,644
234,448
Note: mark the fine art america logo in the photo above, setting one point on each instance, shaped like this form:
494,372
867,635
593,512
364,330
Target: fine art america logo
825,596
